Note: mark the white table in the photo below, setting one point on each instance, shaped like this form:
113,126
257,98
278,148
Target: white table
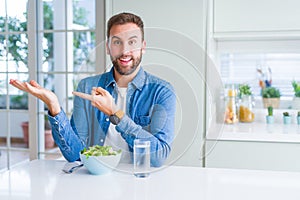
44,180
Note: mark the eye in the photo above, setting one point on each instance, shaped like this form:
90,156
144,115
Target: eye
116,42
132,42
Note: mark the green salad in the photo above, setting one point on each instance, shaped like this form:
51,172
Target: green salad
98,150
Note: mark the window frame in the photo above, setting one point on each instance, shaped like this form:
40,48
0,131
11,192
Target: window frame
36,109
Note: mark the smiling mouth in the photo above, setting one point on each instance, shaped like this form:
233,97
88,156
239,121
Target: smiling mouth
125,61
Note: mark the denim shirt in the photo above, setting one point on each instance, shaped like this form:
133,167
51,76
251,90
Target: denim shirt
150,114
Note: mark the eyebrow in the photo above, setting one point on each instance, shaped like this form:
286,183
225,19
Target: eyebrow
132,37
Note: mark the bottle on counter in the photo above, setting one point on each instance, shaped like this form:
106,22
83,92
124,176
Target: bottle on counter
246,105
231,116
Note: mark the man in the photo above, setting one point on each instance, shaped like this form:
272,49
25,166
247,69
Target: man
116,107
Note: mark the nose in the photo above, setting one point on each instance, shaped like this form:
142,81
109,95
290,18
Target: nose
126,49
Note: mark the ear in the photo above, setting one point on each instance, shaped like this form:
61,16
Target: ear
144,47
107,48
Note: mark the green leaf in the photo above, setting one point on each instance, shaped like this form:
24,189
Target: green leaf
271,92
98,150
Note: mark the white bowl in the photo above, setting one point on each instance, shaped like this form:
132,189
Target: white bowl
99,165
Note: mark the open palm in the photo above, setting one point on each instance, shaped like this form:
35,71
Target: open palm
47,96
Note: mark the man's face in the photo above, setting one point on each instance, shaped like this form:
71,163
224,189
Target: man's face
125,47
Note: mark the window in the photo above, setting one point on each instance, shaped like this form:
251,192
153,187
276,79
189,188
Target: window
13,64
280,68
278,60
57,55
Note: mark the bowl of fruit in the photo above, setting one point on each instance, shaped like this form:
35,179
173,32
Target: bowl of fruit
100,159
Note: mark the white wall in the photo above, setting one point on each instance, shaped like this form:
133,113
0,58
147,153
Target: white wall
175,36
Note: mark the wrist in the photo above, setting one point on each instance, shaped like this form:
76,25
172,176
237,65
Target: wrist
54,110
116,117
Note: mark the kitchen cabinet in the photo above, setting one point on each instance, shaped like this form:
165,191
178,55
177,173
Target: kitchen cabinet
259,26
253,155
255,146
235,16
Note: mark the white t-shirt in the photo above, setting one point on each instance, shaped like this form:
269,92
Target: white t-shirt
113,137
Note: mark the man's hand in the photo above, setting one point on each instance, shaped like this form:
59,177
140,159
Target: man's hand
101,99
47,96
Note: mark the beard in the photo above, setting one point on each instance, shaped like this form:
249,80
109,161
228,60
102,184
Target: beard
135,63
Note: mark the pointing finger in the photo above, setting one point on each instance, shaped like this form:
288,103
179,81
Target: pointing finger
83,95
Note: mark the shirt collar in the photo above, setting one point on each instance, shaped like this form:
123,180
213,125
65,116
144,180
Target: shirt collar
110,78
138,81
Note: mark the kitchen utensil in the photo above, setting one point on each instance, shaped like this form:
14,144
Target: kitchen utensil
69,168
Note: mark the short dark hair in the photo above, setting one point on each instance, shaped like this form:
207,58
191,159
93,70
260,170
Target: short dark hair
124,18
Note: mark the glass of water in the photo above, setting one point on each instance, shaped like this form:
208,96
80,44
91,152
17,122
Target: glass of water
141,158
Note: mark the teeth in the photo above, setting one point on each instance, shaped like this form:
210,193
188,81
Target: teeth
125,59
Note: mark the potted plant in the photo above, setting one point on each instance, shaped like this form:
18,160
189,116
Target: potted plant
286,118
271,97
298,118
244,90
49,141
246,104
270,117
296,100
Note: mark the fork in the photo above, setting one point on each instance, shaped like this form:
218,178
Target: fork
72,169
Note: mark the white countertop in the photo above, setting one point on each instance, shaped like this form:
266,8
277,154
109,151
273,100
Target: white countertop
44,180
261,132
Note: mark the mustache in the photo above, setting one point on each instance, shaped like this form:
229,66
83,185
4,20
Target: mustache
120,56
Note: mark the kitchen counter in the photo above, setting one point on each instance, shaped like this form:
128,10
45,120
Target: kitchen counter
44,179
260,132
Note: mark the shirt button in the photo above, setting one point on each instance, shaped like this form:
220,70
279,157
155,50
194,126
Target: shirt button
107,119
55,122
101,140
